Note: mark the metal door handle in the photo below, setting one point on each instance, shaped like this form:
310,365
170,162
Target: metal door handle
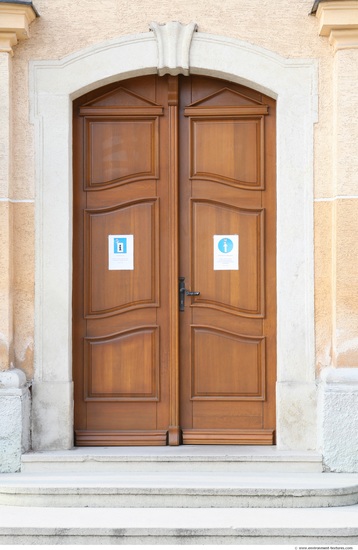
184,292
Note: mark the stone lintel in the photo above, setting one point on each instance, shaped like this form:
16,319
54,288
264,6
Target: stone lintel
339,21
15,20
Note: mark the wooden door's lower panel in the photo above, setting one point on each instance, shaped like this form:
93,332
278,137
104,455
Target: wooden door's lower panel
88,438
228,437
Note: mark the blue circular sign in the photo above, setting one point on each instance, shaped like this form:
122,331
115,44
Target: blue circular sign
225,245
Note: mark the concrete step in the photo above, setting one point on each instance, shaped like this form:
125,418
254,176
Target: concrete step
179,489
186,458
31,525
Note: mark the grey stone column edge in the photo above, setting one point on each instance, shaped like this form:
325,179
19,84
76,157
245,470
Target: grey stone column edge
338,419
15,419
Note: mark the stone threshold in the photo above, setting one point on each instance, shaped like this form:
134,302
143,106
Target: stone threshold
181,458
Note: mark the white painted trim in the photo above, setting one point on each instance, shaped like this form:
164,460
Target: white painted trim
54,84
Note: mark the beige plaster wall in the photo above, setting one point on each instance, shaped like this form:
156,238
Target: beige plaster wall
23,286
346,337
323,213
17,285
282,26
264,22
6,282
6,216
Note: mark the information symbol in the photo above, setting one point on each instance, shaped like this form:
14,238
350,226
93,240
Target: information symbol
225,245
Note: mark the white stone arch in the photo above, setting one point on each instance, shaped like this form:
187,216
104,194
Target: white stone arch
54,85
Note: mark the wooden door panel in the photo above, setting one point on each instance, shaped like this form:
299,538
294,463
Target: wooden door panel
111,291
138,94
240,373
210,92
242,290
123,367
246,436
226,417
125,438
215,155
205,316
123,195
121,327
119,151
115,324
134,416
227,183
173,162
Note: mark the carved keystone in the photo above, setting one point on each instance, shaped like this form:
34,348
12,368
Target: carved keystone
173,41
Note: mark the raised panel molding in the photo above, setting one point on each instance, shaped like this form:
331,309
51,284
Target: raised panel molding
240,376
228,437
242,291
123,366
121,99
104,167
87,438
228,98
226,102
129,290
246,171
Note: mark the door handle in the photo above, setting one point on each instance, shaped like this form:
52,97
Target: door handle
184,292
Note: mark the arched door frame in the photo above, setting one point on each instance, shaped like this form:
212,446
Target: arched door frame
53,87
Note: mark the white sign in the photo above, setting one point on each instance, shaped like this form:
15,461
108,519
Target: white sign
120,252
226,252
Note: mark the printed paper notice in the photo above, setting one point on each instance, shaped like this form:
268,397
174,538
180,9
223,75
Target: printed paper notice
120,252
226,252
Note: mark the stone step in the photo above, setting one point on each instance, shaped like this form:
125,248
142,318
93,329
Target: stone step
186,458
179,489
31,525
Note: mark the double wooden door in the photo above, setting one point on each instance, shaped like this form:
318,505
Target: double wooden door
174,192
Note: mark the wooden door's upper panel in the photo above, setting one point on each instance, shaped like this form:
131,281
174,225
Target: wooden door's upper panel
228,150
226,136
136,94
120,150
